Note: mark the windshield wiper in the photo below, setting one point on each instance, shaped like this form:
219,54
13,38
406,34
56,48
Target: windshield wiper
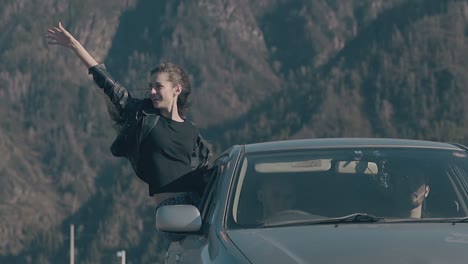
458,220
357,217
352,218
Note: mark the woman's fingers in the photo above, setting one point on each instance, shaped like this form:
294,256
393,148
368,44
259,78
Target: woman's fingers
63,29
51,40
58,35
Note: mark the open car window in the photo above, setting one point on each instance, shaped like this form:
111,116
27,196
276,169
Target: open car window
208,192
390,183
209,197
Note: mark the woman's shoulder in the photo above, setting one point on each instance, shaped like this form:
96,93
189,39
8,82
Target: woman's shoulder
136,107
191,124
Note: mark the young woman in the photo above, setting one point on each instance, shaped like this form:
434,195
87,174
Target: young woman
154,135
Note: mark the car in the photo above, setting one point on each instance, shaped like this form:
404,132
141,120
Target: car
331,200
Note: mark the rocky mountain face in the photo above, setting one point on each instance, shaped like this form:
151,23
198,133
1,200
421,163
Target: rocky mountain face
261,70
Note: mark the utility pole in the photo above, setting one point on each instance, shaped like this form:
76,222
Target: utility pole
121,254
72,244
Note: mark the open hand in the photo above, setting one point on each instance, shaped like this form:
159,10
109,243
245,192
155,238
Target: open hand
59,36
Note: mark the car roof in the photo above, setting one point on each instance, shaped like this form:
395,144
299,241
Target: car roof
320,143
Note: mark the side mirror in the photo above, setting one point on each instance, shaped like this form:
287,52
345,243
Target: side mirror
178,219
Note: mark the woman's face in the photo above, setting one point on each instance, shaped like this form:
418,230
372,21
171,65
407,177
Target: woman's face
163,93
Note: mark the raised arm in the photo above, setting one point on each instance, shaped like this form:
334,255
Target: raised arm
117,94
60,36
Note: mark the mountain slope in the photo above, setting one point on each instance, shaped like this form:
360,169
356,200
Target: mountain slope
261,70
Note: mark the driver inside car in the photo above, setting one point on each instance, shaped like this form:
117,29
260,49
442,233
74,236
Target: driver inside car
410,189
276,194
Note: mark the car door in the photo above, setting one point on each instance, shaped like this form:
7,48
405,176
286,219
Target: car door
190,248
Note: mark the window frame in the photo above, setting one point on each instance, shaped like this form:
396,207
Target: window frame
209,198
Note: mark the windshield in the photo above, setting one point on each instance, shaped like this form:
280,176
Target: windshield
385,183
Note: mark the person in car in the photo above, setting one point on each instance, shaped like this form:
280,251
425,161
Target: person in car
276,194
410,190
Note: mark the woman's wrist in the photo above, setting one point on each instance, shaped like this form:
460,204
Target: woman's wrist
75,45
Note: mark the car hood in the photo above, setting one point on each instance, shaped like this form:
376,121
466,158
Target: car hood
355,243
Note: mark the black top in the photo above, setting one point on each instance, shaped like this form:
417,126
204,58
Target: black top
166,153
160,155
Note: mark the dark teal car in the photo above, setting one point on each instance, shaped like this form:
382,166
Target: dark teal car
355,200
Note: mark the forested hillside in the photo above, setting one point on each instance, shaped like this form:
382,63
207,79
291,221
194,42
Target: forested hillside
261,70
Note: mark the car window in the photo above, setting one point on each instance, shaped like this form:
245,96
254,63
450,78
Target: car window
208,192
209,196
392,183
